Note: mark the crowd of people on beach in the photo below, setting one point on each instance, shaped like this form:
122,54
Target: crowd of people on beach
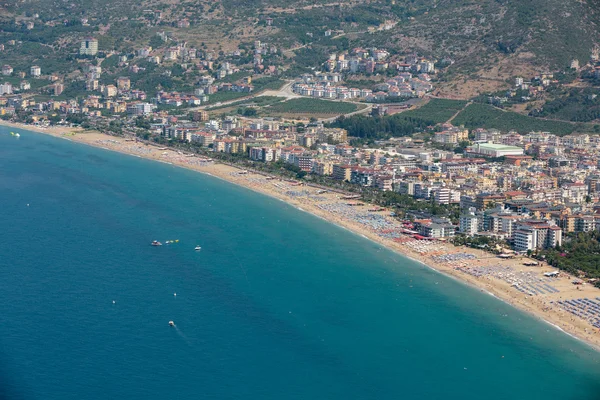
144,150
588,309
305,194
453,257
423,247
527,282
376,222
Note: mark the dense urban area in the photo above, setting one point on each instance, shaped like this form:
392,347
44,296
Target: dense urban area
515,168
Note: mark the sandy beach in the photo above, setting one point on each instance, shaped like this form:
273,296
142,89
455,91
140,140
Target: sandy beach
574,309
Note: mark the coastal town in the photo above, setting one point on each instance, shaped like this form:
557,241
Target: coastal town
567,301
308,199
355,138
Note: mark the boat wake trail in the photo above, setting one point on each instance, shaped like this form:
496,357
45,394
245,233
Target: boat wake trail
182,335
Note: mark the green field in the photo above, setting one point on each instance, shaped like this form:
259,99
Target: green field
313,106
437,110
485,116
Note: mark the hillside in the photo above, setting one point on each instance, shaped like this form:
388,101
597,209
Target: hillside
488,41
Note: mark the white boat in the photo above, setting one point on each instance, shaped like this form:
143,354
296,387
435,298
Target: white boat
197,248
171,323
156,243
17,135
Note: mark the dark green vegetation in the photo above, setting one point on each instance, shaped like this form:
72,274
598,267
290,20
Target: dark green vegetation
312,106
267,83
368,129
35,83
437,110
23,55
486,116
406,123
576,104
578,255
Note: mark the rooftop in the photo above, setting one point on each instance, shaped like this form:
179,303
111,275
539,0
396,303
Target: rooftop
494,146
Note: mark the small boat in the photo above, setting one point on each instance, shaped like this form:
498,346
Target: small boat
17,135
197,248
156,243
171,323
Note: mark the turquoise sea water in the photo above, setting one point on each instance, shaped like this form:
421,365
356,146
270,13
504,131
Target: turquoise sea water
277,305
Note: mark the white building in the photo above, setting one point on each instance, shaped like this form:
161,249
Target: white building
442,196
537,235
256,153
524,240
469,224
574,192
7,70
89,47
140,109
6,88
35,71
495,150
145,108
203,138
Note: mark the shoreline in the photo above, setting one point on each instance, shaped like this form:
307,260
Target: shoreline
472,267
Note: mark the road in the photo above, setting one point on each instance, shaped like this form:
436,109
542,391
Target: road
289,52
365,110
284,91
458,112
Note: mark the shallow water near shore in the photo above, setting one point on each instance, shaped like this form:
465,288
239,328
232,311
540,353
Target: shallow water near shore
278,304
